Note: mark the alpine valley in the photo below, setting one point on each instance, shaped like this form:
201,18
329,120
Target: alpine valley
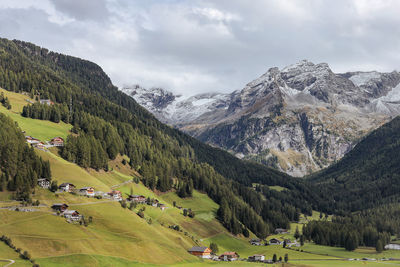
88,177
299,119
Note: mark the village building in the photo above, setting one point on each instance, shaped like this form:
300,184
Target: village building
256,242
57,141
72,215
275,241
115,195
99,194
31,140
281,231
61,207
257,257
202,252
287,241
229,256
44,183
136,198
87,191
154,203
162,206
46,102
39,145
66,187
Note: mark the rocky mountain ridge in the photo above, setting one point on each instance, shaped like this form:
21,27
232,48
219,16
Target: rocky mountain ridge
298,119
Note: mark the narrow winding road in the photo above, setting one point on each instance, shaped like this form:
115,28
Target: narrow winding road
11,262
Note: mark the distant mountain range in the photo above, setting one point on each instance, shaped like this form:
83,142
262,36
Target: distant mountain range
298,119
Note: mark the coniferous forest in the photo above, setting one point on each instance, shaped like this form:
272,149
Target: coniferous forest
20,167
107,123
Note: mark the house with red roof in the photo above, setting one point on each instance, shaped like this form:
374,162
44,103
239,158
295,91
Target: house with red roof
202,252
229,256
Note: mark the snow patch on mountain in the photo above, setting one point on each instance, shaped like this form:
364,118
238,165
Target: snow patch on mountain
361,78
392,96
388,104
176,109
298,119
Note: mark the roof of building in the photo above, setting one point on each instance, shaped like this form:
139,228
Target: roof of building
65,184
70,212
274,239
134,196
198,249
59,204
229,253
86,188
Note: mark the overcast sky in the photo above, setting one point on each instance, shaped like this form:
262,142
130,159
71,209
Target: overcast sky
193,46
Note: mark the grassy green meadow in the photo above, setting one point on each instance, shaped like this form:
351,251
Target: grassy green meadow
43,130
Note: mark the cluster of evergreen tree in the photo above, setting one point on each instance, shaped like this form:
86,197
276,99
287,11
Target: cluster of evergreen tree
4,101
86,151
20,167
54,113
372,227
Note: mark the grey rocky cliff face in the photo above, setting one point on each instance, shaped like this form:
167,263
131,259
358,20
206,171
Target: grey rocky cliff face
298,119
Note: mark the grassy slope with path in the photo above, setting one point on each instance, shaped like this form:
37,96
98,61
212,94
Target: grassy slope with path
7,253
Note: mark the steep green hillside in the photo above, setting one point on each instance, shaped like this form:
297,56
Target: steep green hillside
42,130
20,167
106,123
367,176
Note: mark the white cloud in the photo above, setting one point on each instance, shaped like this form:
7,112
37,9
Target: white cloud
203,45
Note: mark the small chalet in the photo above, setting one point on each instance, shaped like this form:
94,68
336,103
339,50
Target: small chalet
138,199
72,215
257,257
155,203
46,102
256,242
87,191
44,183
162,206
288,241
57,141
229,256
31,140
100,194
39,145
281,231
275,241
116,195
60,207
66,187
202,252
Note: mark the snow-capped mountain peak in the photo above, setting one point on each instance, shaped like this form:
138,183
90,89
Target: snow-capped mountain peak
176,109
297,119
